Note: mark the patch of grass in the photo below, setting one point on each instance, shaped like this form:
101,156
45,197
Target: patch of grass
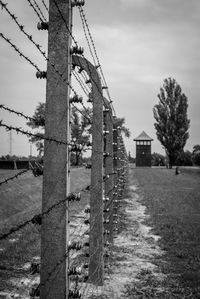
20,200
173,203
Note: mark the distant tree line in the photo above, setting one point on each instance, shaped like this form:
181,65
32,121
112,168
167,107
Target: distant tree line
186,158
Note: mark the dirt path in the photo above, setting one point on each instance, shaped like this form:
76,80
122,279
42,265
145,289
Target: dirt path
134,249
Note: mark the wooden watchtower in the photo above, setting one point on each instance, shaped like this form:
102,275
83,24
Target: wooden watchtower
143,150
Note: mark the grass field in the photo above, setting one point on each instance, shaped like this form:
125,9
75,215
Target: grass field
21,199
172,211
173,205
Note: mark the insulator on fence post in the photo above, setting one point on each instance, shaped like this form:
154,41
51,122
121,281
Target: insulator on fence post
74,246
105,132
74,271
106,221
88,81
75,99
41,74
87,221
37,219
106,232
105,155
43,26
76,50
35,291
78,3
106,199
87,210
35,266
106,177
74,197
74,294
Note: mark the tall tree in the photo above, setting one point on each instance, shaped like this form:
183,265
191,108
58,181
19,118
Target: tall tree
172,123
121,123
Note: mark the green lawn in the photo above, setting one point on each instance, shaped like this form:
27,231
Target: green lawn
21,199
173,203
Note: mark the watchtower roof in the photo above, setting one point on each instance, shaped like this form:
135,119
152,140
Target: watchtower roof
143,137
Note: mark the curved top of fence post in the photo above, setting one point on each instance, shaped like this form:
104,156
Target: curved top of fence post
91,70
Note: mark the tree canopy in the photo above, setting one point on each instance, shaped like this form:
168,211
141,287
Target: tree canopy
172,123
80,129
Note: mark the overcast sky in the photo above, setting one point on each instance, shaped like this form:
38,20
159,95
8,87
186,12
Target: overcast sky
139,43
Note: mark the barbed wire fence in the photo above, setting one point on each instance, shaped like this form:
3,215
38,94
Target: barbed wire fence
83,262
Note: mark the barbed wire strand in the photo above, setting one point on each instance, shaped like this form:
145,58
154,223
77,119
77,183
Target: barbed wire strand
35,10
40,11
45,6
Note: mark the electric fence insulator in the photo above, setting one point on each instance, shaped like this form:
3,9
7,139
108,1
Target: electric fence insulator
97,66
86,244
114,143
115,193
85,266
85,278
105,133
104,87
76,50
115,229
41,74
88,143
78,3
35,292
114,130
87,221
75,271
116,200
106,243
115,222
115,215
106,221
35,267
38,170
106,232
75,148
87,210
74,197
106,110
73,294
76,99
37,219
106,254
106,210
87,254
88,81
106,199
105,177
114,172
106,155
74,246
43,26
